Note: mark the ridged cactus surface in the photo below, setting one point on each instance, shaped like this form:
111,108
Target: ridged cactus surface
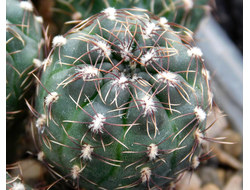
185,12
23,45
122,103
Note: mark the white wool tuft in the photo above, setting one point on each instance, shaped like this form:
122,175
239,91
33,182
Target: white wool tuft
18,186
97,123
88,72
196,162
102,48
150,56
125,51
40,156
51,98
194,51
26,6
37,63
188,4
153,151
39,19
145,174
148,105
200,114
206,73
75,171
86,152
168,77
150,26
111,12
121,82
59,41
164,22
40,122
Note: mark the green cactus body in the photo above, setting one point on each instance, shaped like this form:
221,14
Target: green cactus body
23,45
185,12
123,103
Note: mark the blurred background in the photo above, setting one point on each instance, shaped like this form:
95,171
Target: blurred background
229,15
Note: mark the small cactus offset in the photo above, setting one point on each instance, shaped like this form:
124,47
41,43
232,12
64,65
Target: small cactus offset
122,103
23,49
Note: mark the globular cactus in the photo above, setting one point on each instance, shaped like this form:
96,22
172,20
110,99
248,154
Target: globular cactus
23,49
122,103
185,12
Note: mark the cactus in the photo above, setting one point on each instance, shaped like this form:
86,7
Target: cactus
122,103
185,12
23,46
